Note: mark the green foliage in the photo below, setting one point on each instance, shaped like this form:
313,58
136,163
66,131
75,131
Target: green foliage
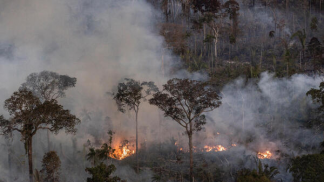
246,175
318,96
194,63
92,155
308,168
51,165
103,153
102,173
264,173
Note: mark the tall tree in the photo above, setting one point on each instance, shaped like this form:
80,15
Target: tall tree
129,95
29,114
48,85
185,101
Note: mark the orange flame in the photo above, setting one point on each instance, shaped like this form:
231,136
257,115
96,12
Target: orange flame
265,155
216,148
122,151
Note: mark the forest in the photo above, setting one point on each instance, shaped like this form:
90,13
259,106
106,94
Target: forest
162,91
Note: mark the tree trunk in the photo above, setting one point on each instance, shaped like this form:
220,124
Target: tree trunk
48,141
9,159
191,153
137,164
30,158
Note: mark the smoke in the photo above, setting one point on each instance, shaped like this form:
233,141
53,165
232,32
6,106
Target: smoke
100,43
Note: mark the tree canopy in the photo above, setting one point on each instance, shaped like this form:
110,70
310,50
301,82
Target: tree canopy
48,85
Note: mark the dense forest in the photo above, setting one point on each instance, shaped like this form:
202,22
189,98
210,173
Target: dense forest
162,90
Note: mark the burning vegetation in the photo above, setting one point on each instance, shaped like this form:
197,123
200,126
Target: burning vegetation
264,155
216,148
122,151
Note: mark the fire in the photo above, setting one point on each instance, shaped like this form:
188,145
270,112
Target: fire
265,155
233,145
216,148
122,151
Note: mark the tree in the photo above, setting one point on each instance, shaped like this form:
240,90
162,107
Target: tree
130,95
92,156
308,168
51,164
48,85
302,39
101,173
232,8
105,150
29,114
314,47
185,101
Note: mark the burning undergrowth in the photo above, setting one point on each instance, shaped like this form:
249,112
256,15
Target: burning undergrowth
123,150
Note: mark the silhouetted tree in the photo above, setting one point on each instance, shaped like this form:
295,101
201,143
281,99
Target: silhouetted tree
92,156
48,85
29,114
185,101
129,95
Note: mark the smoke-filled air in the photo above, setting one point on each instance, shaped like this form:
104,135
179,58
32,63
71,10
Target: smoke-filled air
161,91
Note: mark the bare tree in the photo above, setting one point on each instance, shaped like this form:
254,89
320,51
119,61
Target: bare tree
185,101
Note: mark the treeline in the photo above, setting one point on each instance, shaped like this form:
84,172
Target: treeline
34,107
244,37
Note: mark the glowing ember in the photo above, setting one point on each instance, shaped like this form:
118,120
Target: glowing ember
216,148
265,155
233,145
